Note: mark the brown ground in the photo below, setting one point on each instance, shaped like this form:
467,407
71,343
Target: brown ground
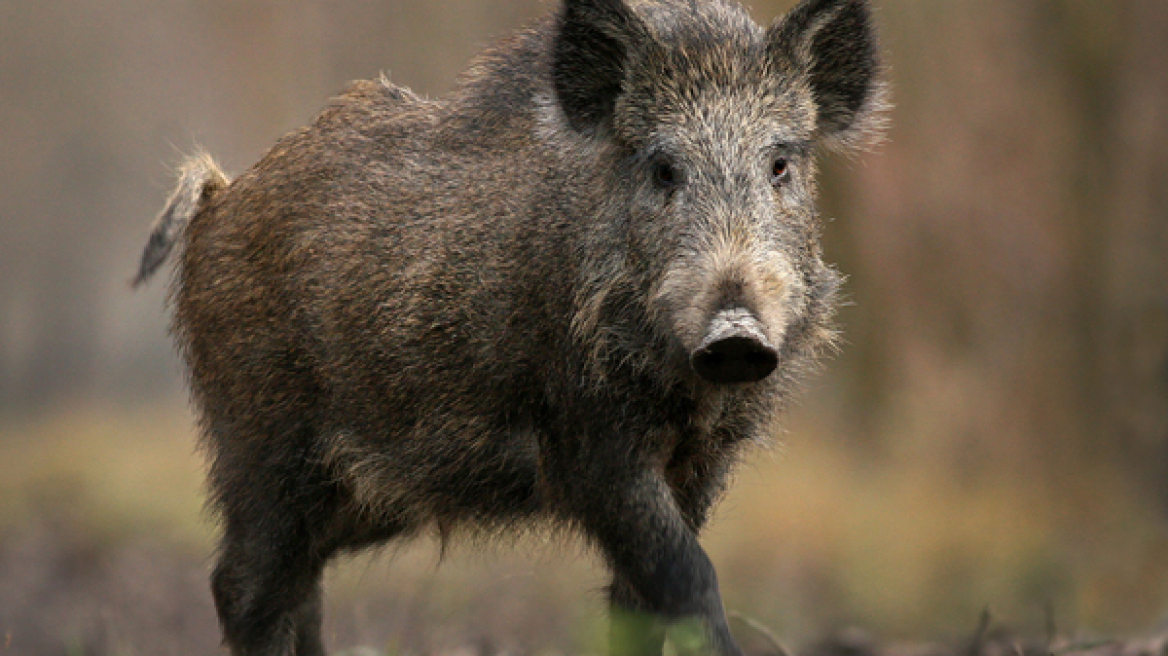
104,550
66,593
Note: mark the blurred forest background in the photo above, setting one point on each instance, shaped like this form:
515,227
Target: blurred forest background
994,433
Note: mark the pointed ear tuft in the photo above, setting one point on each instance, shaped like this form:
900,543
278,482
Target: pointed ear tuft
833,43
592,45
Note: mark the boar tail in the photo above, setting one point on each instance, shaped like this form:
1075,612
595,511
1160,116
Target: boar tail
199,180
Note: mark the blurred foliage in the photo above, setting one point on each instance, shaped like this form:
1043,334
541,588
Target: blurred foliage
995,432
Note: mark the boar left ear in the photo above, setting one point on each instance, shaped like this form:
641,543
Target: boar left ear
832,43
593,41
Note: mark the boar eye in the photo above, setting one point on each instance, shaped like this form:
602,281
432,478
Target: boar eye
780,171
665,174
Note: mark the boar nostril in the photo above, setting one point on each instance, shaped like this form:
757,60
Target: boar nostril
735,358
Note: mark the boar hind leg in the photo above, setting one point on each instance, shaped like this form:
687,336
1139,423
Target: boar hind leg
267,585
268,603
267,582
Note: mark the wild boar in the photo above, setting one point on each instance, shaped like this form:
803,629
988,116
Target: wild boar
573,292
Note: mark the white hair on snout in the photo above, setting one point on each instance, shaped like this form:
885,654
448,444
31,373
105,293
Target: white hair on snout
728,268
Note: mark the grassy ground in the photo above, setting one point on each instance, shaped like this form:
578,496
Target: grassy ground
104,550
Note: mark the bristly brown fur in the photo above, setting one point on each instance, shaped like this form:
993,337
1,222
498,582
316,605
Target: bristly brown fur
486,312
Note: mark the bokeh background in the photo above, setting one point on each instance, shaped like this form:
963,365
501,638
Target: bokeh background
995,432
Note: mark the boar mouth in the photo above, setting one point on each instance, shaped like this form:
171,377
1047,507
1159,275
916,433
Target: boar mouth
735,350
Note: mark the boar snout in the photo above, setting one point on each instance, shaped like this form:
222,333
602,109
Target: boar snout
734,350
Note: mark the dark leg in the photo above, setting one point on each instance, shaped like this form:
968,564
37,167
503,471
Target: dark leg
283,523
623,503
267,592
634,630
308,619
279,512
666,573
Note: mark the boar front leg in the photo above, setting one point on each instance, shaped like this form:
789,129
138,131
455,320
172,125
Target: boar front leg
663,581
669,584
633,628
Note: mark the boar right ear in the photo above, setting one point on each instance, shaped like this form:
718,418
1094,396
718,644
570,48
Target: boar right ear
592,45
832,43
